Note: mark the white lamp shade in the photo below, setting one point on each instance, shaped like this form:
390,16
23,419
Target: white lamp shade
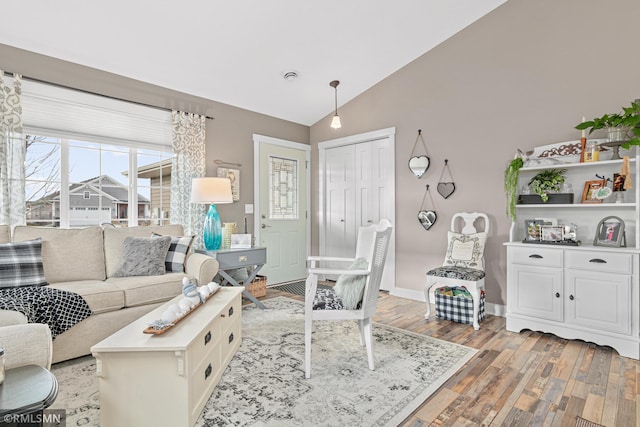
211,190
335,123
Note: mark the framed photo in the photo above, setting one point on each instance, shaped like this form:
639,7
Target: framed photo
532,229
234,177
590,192
550,233
610,232
618,182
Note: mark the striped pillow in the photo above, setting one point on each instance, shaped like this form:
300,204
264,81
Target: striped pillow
177,254
21,264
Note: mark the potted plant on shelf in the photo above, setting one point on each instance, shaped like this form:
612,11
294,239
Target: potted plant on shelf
623,127
546,184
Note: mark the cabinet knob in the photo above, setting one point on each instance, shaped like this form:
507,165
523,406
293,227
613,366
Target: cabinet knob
571,297
598,260
536,256
557,294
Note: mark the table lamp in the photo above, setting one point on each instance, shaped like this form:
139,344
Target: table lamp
211,190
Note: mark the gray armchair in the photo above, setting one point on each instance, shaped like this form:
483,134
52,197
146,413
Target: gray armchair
26,344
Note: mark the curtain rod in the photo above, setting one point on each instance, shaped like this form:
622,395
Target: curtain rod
95,93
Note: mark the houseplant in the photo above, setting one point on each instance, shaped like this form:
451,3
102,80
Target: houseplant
546,182
618,123
511,175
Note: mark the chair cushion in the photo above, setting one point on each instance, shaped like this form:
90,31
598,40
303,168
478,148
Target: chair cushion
21,264
350,287
326,299
465,250
460,273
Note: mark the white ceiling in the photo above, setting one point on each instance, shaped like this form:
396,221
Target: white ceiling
236,52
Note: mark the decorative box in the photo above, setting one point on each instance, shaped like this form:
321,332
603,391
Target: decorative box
456,304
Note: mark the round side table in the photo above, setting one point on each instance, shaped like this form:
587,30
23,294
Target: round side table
26,391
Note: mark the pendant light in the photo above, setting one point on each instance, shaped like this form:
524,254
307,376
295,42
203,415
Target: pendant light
335,123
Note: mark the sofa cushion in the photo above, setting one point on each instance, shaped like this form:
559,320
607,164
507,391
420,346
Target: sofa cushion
177,254
143,256
114,239
67,254
148,289
100,296
5,234
21,264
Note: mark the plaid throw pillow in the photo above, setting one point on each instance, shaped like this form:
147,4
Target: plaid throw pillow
21,264
177,254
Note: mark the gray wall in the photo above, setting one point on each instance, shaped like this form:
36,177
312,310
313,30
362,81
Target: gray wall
520,77
229,135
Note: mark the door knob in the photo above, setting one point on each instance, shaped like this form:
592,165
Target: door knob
264,226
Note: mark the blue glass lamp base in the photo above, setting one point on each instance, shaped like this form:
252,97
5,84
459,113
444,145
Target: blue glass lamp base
212,233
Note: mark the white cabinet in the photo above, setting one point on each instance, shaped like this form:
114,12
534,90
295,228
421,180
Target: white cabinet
357,189
582,292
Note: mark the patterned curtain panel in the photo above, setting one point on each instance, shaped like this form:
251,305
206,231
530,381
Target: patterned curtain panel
12,153
188,162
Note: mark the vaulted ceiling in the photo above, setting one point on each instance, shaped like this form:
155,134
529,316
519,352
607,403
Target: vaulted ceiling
237,52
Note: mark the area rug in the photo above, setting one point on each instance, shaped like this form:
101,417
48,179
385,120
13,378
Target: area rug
297,288
264,384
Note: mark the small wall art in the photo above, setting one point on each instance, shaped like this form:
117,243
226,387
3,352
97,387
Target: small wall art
234,177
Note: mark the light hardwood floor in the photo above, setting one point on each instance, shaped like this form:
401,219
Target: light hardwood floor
526,379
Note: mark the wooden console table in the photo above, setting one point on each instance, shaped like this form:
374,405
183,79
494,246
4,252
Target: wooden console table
231,259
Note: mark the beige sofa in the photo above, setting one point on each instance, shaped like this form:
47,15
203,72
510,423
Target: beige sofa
84,261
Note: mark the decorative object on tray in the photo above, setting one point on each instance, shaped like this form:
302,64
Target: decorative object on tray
427,217
560,153
176,312
418,164
610,232
548,231
623,128
446,189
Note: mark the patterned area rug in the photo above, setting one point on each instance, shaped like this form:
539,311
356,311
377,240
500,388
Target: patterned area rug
264,384
296,287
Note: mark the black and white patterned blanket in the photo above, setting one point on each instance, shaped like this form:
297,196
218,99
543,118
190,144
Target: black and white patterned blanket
40,304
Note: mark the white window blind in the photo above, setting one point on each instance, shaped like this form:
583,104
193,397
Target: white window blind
67,113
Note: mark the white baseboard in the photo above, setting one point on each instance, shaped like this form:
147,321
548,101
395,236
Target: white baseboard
489,308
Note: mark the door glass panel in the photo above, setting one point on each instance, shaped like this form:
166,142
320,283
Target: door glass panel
283,188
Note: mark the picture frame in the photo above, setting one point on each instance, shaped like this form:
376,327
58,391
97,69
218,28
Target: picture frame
234,177
610,232
590,191
532,229
551,233
618,182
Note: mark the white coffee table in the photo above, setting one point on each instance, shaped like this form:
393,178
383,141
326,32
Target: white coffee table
154,380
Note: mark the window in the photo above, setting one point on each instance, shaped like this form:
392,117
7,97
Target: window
283,188
71,183
92,160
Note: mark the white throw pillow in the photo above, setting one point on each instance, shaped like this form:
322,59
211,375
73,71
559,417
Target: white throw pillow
350,287
465,250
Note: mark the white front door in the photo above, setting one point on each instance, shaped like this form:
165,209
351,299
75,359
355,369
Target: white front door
281,218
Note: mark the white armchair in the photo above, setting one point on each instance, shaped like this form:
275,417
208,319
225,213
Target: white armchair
26,344
371,252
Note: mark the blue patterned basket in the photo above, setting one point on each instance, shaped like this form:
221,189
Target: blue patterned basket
457,308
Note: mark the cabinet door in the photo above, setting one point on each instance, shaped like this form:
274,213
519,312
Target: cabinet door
599,301
535,292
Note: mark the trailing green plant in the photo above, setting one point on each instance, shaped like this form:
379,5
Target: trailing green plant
511,175
629,118
547,181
